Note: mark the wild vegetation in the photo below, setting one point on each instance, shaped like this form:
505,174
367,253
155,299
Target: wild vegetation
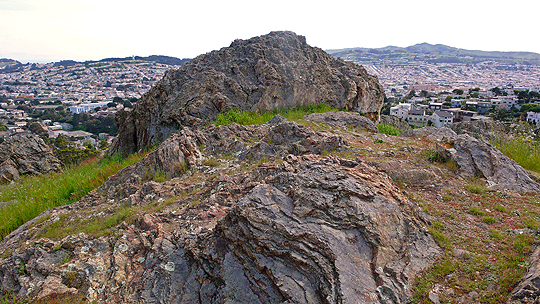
32,195
253,118
525,152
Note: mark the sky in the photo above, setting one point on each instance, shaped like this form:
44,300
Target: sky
53,30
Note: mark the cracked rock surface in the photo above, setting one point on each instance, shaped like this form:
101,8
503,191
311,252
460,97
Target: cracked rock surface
298,229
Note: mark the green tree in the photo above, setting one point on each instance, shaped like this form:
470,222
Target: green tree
458,91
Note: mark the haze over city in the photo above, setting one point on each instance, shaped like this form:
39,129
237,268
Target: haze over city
53,30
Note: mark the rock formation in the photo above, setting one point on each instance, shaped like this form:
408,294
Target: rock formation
395,121
477,158
277,70
26,155
299,229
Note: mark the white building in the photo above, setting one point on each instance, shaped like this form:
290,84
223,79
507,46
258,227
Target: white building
417,118
442,119
401,110
533,117
86,107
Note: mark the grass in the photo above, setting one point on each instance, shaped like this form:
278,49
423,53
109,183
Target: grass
56,299
388,129
526,153
35,194
95,226
253,118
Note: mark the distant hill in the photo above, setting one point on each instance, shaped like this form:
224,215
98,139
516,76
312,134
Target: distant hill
155,58
437,53
9,65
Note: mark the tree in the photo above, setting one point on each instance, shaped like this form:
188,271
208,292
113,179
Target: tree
411,94
448,98
117,99
496,91
458,91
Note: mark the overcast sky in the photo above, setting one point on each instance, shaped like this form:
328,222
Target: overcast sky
53,30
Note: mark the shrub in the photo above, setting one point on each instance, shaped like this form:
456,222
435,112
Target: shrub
388,129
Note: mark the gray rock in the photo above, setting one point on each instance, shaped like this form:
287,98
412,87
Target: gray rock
528,291
395,121
344,120
28,155
477,158
277,70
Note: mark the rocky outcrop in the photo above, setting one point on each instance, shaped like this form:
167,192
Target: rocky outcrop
480,128
477,158
26,155
277,70
528,291
299,229
437,134
395,121
344,120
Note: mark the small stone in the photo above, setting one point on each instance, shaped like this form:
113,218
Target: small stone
169,266
141,260
85,249
123,248
434,297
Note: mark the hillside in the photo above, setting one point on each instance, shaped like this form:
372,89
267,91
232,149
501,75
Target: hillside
438,53
321,210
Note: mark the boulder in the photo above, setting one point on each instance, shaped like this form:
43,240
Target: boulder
344,120
477,158
277,70
528,291
27,155
395,121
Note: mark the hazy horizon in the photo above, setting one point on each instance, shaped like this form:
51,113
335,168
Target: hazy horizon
54,30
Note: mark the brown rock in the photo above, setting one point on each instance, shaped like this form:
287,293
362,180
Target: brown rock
277,70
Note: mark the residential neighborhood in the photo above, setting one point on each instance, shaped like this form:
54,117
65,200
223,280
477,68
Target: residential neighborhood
75,100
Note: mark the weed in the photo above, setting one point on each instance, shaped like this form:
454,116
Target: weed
34,194
251,118
388,129
476,211
500,208
212,162
476,187
65,259
433,156
378,141
525,153
96,226
489,219
446,198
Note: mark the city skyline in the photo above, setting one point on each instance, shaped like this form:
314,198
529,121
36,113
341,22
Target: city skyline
53,30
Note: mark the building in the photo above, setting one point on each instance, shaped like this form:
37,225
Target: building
442,119
401,110
533,117
417,117
435,105
483,107
86,107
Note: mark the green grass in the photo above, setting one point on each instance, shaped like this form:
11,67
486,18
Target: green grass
526,153
95,226
388,129
252,118
33,195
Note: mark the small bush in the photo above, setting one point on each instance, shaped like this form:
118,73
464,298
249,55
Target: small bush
378,141
388,129
476,211
489,219
500,208
242,117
